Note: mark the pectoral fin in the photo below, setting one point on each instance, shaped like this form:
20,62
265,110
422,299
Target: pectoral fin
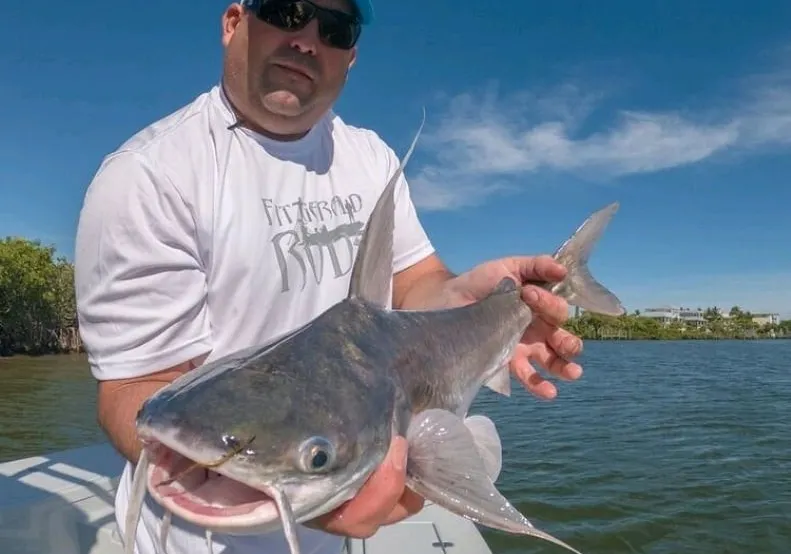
445,467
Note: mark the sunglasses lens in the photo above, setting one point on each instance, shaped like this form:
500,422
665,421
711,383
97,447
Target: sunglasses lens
336,28
286,14
338,31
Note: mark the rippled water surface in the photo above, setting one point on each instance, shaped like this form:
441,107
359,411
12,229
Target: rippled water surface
46,403
662,447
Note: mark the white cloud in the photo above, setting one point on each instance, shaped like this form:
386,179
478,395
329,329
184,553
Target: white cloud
482,142
766,117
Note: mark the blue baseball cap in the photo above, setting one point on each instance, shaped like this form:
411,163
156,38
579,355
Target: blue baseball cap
366,10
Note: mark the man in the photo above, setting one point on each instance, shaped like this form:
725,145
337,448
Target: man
236,219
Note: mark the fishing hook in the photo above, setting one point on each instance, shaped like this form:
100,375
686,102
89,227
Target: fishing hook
225,457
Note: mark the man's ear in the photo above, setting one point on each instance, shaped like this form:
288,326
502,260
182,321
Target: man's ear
230,19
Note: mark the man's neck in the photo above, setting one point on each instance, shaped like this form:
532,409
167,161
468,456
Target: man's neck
242,122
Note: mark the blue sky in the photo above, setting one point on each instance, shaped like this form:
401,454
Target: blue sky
537,115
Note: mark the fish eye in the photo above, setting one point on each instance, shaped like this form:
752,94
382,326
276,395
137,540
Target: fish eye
316,455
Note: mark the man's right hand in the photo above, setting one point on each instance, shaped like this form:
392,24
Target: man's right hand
383,500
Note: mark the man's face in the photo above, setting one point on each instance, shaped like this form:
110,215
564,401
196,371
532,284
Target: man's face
282,81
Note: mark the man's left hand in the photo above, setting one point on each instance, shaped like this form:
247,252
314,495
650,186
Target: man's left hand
544,341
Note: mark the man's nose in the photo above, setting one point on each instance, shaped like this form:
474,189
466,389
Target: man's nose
306,40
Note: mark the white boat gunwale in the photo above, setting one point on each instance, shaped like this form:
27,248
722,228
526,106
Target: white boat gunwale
63,503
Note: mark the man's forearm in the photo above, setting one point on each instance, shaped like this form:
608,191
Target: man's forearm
425,291
117,412
120,400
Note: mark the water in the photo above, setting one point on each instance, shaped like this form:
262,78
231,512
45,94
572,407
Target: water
662,447
47,403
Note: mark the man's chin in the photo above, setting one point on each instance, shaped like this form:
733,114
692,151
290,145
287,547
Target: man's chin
284,103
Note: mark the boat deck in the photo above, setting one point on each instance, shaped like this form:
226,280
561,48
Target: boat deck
63,503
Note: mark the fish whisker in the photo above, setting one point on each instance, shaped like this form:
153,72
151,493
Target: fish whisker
164,531
137,493
287,518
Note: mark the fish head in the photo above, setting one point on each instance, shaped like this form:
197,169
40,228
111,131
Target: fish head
233,452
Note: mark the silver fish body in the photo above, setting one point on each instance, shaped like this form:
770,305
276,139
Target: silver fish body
281,433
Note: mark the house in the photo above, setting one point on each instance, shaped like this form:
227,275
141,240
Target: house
766,319
668,314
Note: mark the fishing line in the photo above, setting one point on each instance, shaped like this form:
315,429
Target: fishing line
233,452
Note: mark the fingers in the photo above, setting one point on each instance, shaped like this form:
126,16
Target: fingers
409,504
529,377
564,343
549,348
376,501
554,364
536,268
549,307
553,349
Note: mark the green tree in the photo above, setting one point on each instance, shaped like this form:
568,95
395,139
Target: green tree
37,304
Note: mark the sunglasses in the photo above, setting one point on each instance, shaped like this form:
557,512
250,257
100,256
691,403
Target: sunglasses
337,28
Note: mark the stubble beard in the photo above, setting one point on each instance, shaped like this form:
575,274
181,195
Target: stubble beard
282,94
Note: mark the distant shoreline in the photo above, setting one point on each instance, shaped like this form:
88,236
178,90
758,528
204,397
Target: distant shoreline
739,325
10,357
38,312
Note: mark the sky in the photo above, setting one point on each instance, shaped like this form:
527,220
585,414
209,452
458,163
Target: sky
538,114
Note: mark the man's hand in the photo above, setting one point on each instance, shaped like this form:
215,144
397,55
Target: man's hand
544,341
383,500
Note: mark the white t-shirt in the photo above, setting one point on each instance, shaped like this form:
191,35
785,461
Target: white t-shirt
198,238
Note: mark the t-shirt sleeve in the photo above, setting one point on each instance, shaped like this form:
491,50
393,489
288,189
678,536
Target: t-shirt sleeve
410,241
139,280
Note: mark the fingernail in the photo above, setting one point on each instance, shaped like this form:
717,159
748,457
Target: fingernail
532,296
571,345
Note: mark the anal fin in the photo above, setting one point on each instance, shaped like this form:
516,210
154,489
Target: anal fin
445,467
501,381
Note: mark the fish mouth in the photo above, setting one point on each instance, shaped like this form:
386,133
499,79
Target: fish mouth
205,497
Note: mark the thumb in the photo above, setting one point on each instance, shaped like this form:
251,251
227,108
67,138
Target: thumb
384,487
376,499
388,480
542,268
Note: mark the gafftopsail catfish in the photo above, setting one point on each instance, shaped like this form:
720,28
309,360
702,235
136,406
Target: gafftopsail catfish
292,429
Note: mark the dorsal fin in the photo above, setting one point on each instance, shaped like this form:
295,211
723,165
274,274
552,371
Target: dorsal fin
372,274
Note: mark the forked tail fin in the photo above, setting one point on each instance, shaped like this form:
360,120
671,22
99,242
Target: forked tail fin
580,288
